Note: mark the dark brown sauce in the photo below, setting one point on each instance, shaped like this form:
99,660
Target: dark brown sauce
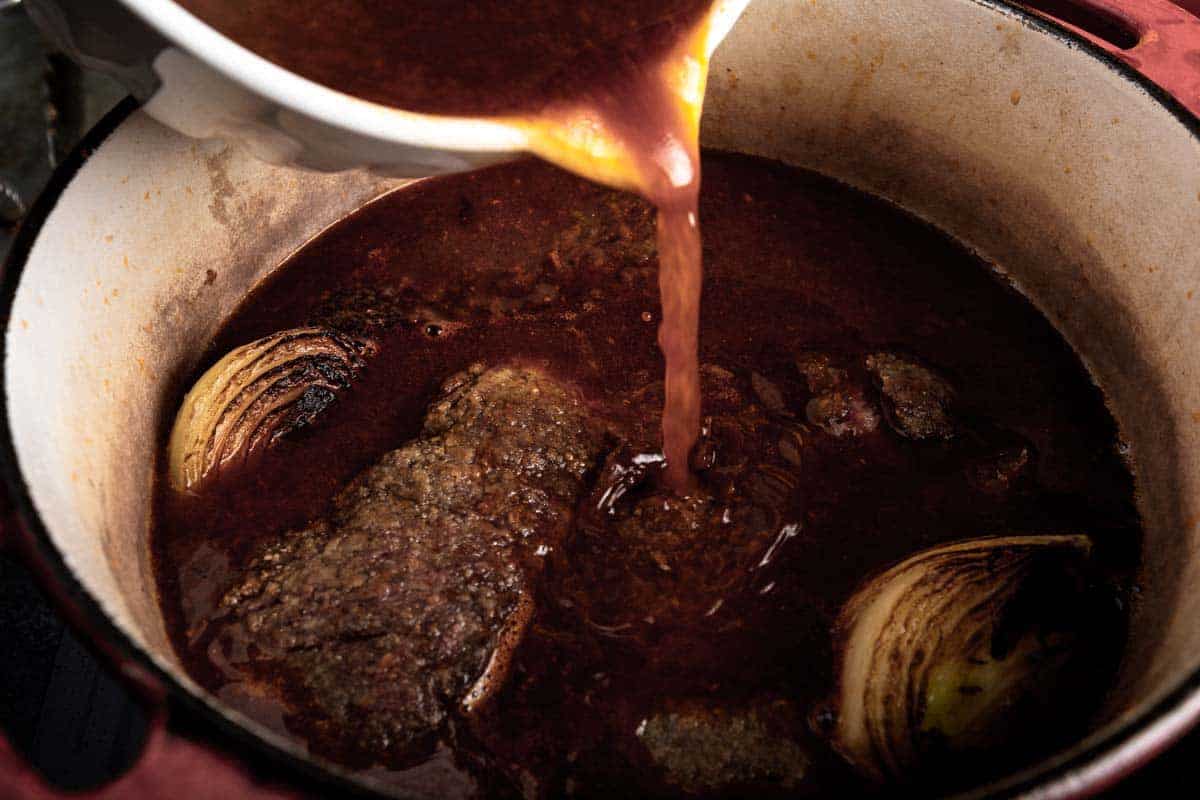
526,262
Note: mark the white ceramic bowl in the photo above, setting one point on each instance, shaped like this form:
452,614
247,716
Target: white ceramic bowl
195,80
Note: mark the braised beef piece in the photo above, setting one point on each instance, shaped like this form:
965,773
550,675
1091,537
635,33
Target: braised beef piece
916,400
838,405
409,597
705,749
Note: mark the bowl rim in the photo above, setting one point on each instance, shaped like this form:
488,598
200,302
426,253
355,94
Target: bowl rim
1102,759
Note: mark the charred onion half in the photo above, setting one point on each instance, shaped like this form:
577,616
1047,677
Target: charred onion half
254,395
945,652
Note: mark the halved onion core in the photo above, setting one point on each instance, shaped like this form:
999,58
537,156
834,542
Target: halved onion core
946,651
256,394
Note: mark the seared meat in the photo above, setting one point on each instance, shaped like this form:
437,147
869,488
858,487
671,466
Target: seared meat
415,589
838,405
702,750
916,401
842,412
819,372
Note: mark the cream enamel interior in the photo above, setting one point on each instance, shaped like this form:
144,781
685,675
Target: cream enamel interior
1049,162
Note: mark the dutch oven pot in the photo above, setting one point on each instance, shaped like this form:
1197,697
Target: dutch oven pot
1036,145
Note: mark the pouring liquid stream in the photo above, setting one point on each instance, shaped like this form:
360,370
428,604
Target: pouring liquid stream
640,132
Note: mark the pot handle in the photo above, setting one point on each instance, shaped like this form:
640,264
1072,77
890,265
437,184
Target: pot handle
1168,43
168,766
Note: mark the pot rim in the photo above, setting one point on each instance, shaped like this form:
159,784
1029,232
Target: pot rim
1099,761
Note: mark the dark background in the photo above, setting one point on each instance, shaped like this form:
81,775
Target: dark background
59,707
